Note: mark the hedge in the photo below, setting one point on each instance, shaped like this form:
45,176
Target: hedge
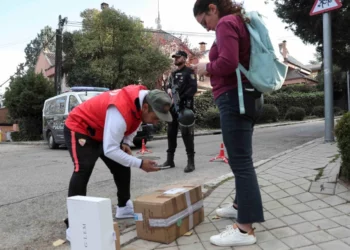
307,101
342,133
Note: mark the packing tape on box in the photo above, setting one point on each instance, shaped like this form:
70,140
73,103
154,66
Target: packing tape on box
179,216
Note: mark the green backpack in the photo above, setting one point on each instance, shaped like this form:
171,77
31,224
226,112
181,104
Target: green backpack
266,73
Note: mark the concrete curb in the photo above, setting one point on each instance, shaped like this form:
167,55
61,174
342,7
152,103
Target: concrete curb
197,133
210,186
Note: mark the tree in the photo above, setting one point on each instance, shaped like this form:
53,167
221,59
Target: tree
112,50
24,99
46,38
295,13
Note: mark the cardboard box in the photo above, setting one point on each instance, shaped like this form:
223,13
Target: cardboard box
91,223
165,215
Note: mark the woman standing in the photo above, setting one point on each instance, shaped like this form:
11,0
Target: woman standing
232,46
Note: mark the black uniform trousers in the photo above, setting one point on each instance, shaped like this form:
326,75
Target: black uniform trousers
186,132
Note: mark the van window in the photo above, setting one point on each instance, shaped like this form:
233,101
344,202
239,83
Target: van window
73,102
87,95
56,106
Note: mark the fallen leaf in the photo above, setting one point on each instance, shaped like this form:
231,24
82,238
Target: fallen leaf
58,243
215,217
188,233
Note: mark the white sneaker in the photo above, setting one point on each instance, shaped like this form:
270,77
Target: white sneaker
68,237
232,237
227,212
125,212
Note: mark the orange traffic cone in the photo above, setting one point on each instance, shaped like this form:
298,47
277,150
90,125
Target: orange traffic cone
144,149
221,155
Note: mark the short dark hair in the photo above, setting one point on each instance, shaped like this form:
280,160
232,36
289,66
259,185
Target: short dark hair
225,7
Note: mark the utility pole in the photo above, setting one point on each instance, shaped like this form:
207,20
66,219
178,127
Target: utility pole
58,57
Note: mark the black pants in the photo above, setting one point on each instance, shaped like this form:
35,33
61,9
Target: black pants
186,132
85,152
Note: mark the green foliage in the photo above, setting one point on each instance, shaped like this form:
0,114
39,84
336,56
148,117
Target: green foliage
295,13
202,103
112,50
338,111
46,38
211,118
24,99
318,111
342,133
303,100
300,88
295,114
269,114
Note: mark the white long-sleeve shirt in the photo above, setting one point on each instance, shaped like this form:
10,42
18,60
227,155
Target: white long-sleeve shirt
113,135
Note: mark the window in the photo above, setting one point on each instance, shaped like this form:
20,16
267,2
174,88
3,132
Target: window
73,102
56,106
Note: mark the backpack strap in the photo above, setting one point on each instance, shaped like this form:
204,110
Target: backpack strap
240,92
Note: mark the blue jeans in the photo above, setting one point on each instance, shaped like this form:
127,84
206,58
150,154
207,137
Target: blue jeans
237,132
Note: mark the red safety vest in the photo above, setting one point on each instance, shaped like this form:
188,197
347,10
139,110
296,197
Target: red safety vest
89,117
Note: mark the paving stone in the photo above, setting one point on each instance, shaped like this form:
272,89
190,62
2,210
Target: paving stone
334,245
266,198
305,197
311,215
264,183
289,201
305,186
251,247
197,246
222,224
313,247
202,228
296,241
345,195
343,220
167,246
280,212
274,223
279,194
347,241
258,227
285,185
273,244
277,180
325,224
339,188
283,232
340,232
320,188
164,248
268,216
292,219
334,200
270,189
294,190
298,208
300,181
330,212
304,227
272,204
209,246
264,236
144,244
185,240
345,208
206,236
317,204
319,237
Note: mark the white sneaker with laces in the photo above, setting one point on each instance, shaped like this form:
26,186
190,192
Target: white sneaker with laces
68,237
125,212
227,212
232,237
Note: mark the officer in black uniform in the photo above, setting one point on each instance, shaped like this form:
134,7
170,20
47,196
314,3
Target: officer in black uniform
182,82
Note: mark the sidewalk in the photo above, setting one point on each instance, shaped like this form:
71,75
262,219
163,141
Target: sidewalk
300,213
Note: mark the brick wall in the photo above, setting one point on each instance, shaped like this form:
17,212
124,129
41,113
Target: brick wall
5,129
3,115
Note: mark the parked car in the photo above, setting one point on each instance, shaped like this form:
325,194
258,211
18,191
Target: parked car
57,108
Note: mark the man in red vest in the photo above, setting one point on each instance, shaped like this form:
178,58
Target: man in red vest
104,127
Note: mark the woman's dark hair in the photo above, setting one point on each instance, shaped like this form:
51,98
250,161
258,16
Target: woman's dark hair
225,7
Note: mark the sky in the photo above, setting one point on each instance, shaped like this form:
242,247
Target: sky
21,20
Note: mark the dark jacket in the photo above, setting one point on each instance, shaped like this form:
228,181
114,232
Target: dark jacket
186,81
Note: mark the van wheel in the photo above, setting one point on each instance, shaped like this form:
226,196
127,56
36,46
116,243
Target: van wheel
51,141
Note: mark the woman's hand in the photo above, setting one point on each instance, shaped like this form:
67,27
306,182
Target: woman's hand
201,69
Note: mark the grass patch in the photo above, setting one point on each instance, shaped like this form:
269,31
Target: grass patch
320,173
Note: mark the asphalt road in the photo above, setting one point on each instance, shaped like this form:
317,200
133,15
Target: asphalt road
34,180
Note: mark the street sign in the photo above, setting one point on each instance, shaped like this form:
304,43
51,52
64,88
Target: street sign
322,6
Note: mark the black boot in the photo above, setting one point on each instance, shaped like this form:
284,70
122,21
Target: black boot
190,164
169,163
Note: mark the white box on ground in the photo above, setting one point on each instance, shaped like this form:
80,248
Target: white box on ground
90,223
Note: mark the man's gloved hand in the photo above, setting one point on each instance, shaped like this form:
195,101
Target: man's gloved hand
149,166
